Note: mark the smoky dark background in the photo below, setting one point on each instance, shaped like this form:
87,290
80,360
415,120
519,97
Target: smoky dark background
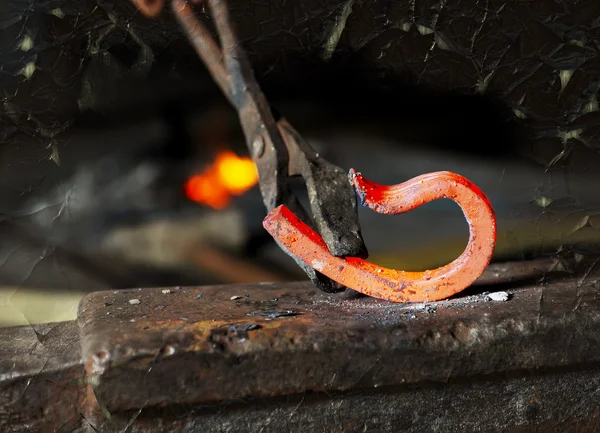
105,114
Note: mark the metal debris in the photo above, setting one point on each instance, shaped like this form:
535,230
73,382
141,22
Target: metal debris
273,314
244,328
165,291
499,296
427,308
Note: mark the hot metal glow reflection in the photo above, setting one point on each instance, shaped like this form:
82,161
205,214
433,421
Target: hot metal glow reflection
390,284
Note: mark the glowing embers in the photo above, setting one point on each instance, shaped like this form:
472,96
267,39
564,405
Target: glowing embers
229,175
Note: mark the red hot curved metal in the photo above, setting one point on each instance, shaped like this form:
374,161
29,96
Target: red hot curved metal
390,284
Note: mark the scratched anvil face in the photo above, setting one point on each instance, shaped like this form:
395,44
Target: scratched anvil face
387,87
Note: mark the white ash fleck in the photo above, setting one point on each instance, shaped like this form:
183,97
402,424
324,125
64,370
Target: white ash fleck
166,291
498,296
135,301
318,265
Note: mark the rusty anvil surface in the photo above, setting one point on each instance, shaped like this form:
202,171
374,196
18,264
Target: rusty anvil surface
285,356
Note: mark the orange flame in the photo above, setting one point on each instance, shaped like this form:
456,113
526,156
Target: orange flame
228,175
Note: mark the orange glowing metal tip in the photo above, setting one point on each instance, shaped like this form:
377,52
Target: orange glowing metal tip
390,284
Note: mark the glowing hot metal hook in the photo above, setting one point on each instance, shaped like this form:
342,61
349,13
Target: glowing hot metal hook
398,286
